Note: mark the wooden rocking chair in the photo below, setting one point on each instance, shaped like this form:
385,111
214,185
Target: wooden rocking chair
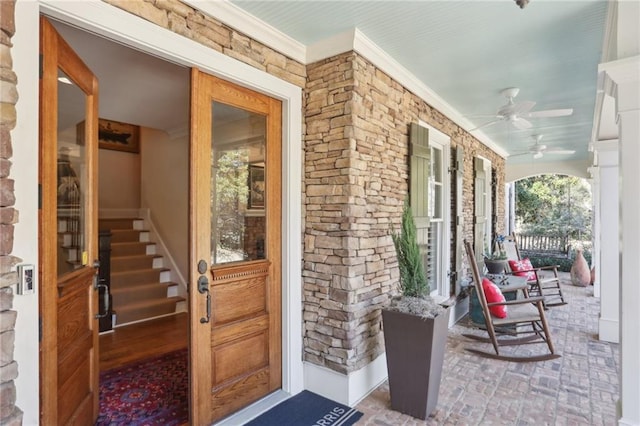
525,321
543,281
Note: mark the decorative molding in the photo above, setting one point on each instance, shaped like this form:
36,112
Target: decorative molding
622,72
242,21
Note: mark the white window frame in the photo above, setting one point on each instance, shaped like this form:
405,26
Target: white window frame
488,207
442,142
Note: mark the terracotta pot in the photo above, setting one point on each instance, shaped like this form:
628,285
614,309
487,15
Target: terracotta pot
580,273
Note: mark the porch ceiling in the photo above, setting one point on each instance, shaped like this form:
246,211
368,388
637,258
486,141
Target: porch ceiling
467,52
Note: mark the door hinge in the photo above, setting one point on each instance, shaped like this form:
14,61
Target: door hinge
41,66
39,329
39,196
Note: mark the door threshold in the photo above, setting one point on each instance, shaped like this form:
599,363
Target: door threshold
254,410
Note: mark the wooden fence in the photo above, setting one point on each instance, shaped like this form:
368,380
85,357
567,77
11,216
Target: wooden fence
550,245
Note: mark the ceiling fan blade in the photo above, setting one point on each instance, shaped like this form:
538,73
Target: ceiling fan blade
560,151
519,154
521,124
549,113
522,108
515,108
486,125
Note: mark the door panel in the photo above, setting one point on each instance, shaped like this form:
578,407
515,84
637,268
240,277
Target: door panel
235,247
67,234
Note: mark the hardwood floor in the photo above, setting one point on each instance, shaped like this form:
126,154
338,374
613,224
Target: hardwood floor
143,340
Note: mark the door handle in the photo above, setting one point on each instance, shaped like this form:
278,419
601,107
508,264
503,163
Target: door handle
107,300
203,287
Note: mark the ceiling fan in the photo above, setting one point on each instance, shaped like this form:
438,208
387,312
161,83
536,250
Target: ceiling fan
538,150
517,113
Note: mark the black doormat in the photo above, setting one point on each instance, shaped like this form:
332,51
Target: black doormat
307,409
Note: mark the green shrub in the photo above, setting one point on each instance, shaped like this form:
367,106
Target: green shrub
564,262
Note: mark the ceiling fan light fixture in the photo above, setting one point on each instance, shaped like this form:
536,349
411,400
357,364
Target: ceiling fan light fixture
522,3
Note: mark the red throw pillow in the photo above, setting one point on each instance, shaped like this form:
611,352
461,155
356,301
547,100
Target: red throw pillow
523,268
493,294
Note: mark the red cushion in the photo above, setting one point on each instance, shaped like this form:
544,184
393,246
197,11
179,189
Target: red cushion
523,268
493,294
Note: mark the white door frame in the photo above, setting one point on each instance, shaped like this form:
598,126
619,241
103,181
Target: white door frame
118,25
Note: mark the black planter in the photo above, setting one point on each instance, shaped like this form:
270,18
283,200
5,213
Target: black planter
415,353
495,266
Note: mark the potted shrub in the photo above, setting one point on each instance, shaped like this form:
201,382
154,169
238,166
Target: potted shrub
415,330
496,261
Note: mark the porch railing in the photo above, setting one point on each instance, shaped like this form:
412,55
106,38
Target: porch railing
548,245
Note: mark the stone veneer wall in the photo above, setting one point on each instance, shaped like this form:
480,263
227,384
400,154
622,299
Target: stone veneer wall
356,175
186,21
9,413
355,178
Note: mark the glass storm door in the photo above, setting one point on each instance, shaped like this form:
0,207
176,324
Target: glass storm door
235,247
67,234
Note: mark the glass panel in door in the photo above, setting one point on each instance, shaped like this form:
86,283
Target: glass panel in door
238,185
71,177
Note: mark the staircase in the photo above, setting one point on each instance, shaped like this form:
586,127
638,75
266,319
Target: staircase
140,284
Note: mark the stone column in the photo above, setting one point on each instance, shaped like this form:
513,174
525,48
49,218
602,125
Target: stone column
624,78
9,413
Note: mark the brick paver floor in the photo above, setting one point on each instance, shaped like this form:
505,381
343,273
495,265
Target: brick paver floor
579,388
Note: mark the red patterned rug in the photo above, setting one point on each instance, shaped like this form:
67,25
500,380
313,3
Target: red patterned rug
151,392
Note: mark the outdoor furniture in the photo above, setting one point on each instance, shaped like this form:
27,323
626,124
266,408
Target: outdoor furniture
509,285
544,280
524,319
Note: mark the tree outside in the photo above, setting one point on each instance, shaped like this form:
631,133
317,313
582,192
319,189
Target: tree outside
555,205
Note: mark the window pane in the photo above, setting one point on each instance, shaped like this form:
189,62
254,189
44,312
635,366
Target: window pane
72,176
436,164
238,185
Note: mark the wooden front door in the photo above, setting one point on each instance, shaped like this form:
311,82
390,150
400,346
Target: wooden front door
67,234
235,247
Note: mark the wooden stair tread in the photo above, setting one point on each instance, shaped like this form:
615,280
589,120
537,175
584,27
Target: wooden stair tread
137,287
142,285
136,271
167,300
142,311
137,256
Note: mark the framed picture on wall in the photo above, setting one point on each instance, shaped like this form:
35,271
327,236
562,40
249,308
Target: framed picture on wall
118,136
256,187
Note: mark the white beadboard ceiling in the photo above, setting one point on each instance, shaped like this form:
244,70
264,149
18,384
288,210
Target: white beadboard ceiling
466,52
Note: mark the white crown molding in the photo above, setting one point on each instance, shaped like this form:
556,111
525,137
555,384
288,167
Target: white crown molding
240,20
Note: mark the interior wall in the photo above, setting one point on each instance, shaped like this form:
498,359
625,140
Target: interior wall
118,180
164,178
